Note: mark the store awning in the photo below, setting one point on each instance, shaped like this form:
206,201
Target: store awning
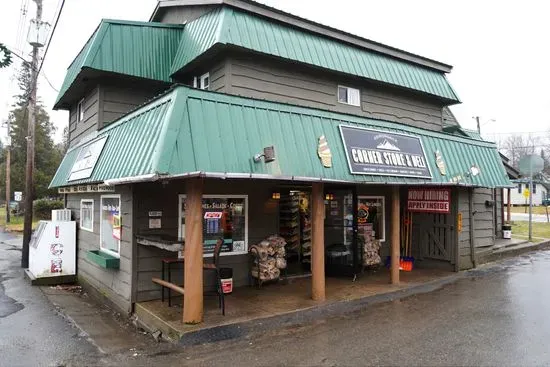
191,132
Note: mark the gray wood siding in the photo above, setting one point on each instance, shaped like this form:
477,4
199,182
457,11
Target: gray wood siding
116,101
276,81
262,222
498,212
115,284
464,258
181,15
79,129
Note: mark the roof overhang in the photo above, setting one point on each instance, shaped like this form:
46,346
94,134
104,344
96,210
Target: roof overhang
295,21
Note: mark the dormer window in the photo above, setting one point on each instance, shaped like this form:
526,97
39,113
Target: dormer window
80,111
349,96
202,82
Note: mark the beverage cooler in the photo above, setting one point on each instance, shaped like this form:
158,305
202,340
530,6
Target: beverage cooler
52,253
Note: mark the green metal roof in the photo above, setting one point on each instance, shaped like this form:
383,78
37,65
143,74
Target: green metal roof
191,131
139,49
227,26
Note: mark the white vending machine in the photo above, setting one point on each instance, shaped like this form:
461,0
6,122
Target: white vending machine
52,253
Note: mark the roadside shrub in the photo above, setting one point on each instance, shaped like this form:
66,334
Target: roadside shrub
42,208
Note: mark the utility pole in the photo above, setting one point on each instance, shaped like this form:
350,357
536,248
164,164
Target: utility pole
8,172
29,189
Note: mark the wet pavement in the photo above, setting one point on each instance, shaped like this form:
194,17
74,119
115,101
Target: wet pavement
32,332
494,315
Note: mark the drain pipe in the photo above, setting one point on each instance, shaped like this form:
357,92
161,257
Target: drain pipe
472,230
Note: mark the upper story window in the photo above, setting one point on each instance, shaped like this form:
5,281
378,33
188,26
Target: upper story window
519,189
349,96
80,111
202,82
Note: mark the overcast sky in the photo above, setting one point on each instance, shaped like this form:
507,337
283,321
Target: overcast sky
499,49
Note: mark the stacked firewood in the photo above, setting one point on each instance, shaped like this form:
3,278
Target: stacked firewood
371,253
269,257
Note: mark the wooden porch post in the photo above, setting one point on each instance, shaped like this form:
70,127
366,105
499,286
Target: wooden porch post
318,243
508,206
395,224
193,251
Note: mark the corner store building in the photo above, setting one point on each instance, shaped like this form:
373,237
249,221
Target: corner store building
189,142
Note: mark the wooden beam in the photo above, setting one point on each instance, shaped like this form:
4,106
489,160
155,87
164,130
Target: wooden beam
508,206
395,240
318,243
193,251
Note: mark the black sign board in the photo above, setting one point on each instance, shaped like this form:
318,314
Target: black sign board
382,153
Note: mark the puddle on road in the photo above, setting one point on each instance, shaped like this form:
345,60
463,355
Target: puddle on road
8,305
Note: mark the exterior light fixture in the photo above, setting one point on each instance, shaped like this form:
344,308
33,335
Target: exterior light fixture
329,197
276,195
268,154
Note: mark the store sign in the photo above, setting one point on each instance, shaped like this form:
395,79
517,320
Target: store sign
84,189
429,200
87,159
381,153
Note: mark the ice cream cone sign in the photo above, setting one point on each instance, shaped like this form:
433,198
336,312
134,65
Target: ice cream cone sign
323,151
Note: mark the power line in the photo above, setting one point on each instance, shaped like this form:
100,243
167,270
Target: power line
50,83
51,35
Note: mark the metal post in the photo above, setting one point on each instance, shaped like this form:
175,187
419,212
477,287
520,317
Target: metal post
531,208
8,174
29,192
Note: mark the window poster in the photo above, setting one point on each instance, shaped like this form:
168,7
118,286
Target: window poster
370,217
111,224
225,217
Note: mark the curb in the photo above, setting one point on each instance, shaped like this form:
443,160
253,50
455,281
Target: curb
292,318
513,252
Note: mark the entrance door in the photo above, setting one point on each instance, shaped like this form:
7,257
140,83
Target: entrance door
341,253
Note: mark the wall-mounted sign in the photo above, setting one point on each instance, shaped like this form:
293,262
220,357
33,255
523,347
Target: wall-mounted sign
382,153
440,163
18,196
87,159
156,213
459,222
429,200
155,223
323,151
84,189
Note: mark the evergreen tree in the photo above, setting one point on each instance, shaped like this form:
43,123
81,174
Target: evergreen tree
47,154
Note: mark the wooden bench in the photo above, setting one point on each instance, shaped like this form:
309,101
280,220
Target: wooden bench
170,286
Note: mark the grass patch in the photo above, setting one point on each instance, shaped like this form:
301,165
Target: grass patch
541,231
16,222
525,209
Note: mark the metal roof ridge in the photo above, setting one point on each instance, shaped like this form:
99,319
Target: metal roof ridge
142,23
353,38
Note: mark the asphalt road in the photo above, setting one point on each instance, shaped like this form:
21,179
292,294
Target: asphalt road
498,316
32,333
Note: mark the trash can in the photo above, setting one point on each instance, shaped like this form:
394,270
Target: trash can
506,231
226,278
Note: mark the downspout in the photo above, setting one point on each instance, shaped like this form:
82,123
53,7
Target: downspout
472,230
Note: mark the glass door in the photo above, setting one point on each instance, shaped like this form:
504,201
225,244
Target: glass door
341,253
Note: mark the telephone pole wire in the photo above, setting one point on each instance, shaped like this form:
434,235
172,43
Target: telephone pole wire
29,189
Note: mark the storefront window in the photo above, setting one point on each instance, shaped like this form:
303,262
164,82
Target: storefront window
111,225
87,215
223,216
370,217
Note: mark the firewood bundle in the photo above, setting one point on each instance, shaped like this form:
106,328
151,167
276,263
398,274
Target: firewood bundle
269,258
371,254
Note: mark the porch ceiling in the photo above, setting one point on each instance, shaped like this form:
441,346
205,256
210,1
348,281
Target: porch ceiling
194,132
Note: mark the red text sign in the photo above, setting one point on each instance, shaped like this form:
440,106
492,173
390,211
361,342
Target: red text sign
429,201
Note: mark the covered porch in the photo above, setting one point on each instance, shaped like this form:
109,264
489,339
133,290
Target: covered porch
282,298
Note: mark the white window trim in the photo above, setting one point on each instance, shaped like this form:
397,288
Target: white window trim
181,197
368,197
202,79
80,111
347,103
81,226
195,82
112,196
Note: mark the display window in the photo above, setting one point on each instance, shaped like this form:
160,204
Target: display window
111,224
87,215
370,217
223,216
